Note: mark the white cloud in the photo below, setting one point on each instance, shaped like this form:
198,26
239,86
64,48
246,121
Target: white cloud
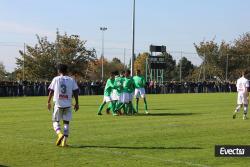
12,27
9,53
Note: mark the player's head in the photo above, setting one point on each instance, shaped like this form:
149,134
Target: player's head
112,74
123,73
243,72
127,73
62,69
116,73
138,72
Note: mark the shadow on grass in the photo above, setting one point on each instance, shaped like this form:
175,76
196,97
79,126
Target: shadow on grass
162,109
137,148
3,166
88,105
166,114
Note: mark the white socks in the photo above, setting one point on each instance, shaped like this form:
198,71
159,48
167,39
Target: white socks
245,109
237,108
56,127
66,130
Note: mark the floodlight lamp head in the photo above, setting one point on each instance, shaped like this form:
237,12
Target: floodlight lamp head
103,28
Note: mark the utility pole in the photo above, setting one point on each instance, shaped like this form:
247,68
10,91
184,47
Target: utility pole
57,46
102,57
227,68
24,45
133,40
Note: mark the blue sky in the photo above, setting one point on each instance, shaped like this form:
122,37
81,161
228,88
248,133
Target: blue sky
174,23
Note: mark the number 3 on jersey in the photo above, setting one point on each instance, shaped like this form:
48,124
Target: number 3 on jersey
63,89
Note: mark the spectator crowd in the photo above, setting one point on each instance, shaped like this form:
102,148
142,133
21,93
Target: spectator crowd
27,88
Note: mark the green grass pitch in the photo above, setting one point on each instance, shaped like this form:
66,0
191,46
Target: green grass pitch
181,132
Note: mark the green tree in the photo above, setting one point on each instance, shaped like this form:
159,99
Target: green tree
116,60
186,68
108,66
211,54
40,61
239,56
2,71
117,65
140,63
224,60
170,66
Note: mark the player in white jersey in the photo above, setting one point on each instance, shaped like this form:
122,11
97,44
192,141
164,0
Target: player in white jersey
61,89
242,99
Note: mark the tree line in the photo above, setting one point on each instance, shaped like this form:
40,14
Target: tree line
219,60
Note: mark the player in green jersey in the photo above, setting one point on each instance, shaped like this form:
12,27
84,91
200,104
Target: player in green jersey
127,93
116,92
107,94
140,90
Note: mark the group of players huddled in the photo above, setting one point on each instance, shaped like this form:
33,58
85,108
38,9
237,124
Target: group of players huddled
119,92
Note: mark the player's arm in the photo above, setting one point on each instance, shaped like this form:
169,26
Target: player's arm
110,85
113,86
51,93
133,85
75,94
247,91
247,88
143,82
121,83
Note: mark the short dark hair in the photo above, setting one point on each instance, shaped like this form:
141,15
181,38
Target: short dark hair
244,72
128,71
138,70
62,68
116,72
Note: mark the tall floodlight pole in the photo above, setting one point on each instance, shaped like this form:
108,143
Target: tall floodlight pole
204,74
133,40
124,56
102,57
227,68
181,67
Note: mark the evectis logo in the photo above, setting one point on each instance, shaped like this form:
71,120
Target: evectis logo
232,151
236,151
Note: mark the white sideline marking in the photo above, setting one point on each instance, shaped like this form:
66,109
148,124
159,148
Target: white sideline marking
121,153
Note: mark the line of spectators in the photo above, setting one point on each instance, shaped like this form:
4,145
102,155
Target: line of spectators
27,88
190,87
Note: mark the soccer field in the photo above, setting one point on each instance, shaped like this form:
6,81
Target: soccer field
181,131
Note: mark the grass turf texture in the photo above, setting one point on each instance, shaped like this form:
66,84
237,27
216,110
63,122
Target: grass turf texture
182,131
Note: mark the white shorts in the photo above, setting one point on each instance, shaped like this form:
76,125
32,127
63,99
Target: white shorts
242,99
62,114
107,99
115,95
140,92
125,97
